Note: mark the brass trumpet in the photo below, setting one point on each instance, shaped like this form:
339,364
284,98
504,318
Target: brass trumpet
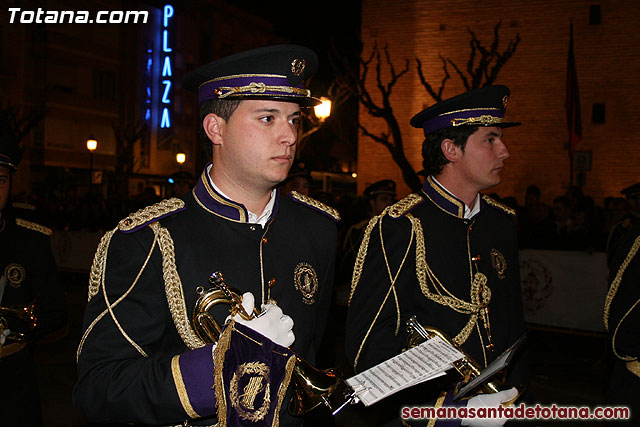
313,386
16,341
467,367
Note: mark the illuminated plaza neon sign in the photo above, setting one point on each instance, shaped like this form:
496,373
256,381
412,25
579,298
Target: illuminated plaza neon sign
167,56
158,71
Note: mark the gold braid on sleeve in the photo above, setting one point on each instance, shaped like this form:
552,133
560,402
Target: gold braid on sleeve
612,293
99,263
173,288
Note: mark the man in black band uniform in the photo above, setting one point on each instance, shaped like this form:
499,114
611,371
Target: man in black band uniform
622,322
447,254
140,359
32,303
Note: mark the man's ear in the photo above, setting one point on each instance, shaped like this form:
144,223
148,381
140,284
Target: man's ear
450,150
213,126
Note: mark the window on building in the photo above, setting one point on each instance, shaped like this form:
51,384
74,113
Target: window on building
104,85
598,113
62,77
595,14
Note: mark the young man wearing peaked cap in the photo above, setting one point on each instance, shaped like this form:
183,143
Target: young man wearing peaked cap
447,254
140,359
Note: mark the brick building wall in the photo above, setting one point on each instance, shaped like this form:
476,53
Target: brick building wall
608,63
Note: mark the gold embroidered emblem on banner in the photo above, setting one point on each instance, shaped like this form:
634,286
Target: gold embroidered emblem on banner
252,404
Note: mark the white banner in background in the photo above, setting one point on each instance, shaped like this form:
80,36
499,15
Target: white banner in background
564,289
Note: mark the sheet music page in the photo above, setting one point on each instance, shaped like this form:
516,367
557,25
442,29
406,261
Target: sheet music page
421,363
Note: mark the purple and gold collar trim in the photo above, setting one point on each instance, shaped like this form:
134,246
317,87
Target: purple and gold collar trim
242,85
213,202
444,200
470,116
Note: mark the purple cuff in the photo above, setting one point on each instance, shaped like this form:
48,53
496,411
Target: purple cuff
193,376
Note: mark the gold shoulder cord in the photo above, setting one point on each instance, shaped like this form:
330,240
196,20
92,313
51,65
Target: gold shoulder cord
612,293
96,281
480,294
173,288
392,278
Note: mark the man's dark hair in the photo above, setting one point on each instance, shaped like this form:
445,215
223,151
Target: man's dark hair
220,107
434,159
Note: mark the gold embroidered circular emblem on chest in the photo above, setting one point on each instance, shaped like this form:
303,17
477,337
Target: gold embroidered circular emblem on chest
15,274
305,279
253,379
498,262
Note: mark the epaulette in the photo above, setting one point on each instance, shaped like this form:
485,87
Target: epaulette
498,205
150,214
401,207
33,226
317,205
25,206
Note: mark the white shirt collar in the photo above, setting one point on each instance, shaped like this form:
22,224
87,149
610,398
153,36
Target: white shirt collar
252,218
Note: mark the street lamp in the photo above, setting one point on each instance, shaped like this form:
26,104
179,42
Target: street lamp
323,110
181,158
92,144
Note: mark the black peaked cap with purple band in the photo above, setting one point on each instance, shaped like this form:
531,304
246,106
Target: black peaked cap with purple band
10,154
274,72
481,107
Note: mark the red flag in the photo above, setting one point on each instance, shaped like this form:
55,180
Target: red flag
572,105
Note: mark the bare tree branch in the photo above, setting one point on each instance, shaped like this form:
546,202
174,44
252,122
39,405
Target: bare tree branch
127,132
392,139
437,96
15,125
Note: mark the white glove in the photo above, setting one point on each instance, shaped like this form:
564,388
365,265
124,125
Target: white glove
271,322
488,401
3,335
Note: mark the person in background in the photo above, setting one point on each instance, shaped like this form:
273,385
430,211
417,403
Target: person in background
180,183
632,194
298,180
32,301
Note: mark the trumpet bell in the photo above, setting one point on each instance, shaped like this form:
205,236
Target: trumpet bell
313,387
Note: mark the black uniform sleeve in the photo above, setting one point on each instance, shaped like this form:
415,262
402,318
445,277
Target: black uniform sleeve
373,319
125,362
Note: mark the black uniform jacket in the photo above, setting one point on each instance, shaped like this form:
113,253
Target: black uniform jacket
28,265
31,281
430,226
622,320
124,364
